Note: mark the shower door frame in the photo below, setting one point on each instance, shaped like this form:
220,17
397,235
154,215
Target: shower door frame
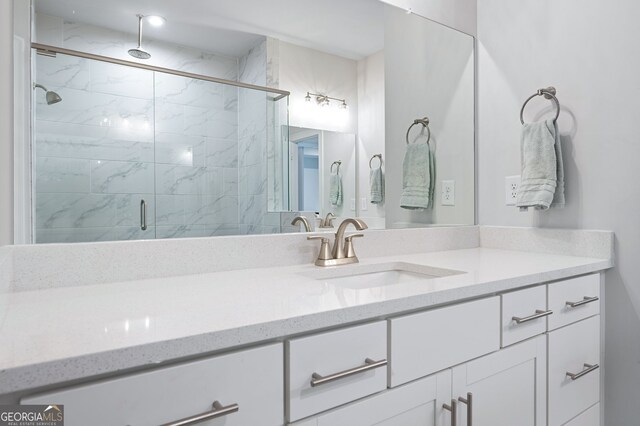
24,224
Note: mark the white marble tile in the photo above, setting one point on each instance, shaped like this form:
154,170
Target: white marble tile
54,210
99,109
170,210
180,231
186,91
169,117
172,179
230,181
121,80
72,235
62,71
206,210
67,140
180,149
127,233
121,177
222,124
55,174
221,152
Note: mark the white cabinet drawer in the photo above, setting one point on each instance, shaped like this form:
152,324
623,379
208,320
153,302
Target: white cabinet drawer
524,314
591,417
418,403
581,292
572,350
327,354
252,378
421,344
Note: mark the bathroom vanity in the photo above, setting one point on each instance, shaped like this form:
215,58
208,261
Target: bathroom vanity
478,333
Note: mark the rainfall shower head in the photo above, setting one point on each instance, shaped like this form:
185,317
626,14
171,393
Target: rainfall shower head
139,52
50,96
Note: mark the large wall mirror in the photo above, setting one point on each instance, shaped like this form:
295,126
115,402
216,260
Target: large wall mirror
164,119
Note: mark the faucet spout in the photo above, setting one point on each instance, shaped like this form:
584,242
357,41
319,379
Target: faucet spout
338,244
304,220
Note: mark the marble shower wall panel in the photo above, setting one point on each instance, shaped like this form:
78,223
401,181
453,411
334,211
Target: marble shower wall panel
252,146
94,151
196,157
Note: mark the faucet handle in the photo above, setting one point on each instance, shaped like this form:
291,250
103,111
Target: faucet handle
325,251
348,245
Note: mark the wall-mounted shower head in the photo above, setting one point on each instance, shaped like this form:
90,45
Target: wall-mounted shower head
139,52
50,96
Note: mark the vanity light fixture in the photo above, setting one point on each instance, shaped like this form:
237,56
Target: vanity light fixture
324,100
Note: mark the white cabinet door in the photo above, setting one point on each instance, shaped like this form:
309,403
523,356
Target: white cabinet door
507,387
418,403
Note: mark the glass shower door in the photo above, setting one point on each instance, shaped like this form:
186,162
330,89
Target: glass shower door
93,151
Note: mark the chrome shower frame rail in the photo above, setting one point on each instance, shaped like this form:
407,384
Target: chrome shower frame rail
52,50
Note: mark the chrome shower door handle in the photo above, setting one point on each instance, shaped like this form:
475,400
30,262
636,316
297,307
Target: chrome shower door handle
218,411
143,215
469,402
453,408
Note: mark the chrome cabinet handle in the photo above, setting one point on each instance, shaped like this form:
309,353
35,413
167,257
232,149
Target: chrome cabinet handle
588,368
469,401
454,411
539,314
218,411
584,301
369,364
143,215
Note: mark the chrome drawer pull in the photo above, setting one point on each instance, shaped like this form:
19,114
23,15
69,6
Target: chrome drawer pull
582,302
538,314
454,411
369,364
469,401
218,411
588,368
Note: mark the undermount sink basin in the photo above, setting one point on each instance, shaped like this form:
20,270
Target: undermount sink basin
378,275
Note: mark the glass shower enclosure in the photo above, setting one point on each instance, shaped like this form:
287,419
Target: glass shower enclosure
123,153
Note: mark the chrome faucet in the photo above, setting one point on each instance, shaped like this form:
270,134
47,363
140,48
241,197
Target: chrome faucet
343,252
327,222
305,222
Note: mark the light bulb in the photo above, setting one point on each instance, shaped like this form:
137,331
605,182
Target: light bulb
155,20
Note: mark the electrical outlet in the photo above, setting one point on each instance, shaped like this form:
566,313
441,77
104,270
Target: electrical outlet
511,185
363,203
448,193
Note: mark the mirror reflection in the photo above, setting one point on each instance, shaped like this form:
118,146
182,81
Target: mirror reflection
153,121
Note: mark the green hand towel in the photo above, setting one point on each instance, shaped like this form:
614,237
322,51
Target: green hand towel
335,189
418,177
542,175
376,185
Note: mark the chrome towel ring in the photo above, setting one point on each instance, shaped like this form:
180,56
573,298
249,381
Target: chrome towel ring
425,125
548,93
379,156
335,163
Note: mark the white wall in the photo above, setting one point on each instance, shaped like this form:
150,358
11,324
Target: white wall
589,50
371,136
305,70
6,122
458,14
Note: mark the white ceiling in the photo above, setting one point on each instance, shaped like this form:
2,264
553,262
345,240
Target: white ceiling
349,28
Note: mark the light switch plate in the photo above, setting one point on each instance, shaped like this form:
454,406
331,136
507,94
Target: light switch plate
353,204
448,193
511,185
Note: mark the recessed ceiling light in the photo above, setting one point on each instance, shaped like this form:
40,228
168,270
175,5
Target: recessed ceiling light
155,20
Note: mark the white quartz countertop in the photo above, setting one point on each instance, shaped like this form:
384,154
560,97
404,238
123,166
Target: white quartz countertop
63,334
